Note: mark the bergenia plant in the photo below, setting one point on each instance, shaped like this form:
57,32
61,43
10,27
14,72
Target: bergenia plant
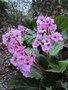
29,64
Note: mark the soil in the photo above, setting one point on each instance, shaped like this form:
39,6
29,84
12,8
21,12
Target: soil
5,71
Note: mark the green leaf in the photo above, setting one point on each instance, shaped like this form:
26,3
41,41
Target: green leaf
65,85
49,88
34,24
27,23
65,35
62,23
45,82
30,24
52,70
54,66
42,61
20,83
66,71
55,49
48,83
29,38
35,73
62,66
28,50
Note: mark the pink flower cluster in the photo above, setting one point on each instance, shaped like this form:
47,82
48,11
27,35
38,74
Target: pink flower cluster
12,40
20,59
46,26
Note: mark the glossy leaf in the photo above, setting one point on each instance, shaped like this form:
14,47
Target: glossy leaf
55,49
45,82
48,83
35,73
18,82
60,68
65,35
30,24
48,88
34,24
62,23
54,66
65,85
27,23
42,61
29,38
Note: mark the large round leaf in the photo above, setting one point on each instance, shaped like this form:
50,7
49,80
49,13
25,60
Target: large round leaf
55,48
35,73
65,35
62,23
27,23
18,82
65,85
60,68
42,61
48,83
28,38
30,23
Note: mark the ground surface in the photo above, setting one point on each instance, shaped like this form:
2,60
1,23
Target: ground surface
5,72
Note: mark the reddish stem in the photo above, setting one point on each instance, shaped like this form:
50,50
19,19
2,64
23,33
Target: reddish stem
48,57
48,52
47,31
38,69
41,68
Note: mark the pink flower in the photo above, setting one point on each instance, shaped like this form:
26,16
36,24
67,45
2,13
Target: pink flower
46,25
20,61
6,38
57,37
46,47
47,43
21,28
39,36
32,56
47,39
13,45
11,49
25,70
12,40
27,63
49,21
25,73
35,44
40,20
52,28
42,28
13,60
27,30
21,49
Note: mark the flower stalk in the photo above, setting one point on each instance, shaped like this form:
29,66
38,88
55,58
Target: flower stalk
41,68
